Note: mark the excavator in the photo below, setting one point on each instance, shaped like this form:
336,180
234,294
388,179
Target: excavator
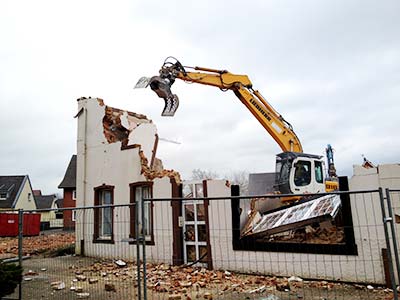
296,172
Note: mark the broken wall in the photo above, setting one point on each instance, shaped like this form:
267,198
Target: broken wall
371,236
367,266
117,148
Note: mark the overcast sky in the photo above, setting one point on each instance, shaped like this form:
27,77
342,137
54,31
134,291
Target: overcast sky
331,68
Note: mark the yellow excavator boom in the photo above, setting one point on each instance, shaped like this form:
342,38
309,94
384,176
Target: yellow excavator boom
280,130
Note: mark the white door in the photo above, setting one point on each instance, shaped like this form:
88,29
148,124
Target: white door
194,225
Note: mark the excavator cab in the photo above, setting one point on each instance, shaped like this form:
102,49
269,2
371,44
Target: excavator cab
299,173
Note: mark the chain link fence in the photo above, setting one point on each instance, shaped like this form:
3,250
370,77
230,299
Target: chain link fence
213,248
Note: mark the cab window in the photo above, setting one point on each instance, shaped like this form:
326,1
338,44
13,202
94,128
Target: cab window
302,174
318,172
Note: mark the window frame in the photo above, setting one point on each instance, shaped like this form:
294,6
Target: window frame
298,167
97,238
318,166
73,194
132,210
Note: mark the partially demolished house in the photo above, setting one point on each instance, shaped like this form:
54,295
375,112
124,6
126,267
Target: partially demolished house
117,164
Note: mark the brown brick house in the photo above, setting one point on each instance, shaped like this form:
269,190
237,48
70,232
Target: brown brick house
68,184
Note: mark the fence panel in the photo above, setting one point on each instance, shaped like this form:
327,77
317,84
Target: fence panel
94,261
393,202
342,257
206,248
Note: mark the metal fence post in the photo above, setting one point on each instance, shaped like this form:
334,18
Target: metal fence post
20,237
144,250
394,238
137,249
385,221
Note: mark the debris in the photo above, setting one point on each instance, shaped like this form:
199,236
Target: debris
43,269
270,297
295,278
208,296
77,289
120,263
366,163
370,287
82,295
81,277
177,282
186,284
93,280
283,287
27,278
57,285
37,244
109,287
258,290
151,173
31,273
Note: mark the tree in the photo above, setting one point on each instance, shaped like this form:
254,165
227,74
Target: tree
240,178
198,174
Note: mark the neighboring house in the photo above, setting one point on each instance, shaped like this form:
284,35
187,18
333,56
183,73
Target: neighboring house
68,184
48,219
16,193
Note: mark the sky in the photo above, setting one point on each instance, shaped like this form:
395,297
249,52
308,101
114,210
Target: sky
330,68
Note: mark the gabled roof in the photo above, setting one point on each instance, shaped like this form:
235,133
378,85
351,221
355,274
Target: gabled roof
69,180
37,192
44,201
261,183
60,203
12,186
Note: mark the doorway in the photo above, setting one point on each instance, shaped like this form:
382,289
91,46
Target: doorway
195,247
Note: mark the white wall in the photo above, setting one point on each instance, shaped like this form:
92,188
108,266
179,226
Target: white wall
367,266
100,162
26,199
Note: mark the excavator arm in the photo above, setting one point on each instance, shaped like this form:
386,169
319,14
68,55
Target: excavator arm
289,163
280,130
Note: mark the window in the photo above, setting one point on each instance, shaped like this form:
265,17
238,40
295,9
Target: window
3,196
29,196
139,191
319,172
73,194
302,174
74,215
103,217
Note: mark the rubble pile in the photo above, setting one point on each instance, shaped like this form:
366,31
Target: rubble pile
187,283
310,235
36,244
179,283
